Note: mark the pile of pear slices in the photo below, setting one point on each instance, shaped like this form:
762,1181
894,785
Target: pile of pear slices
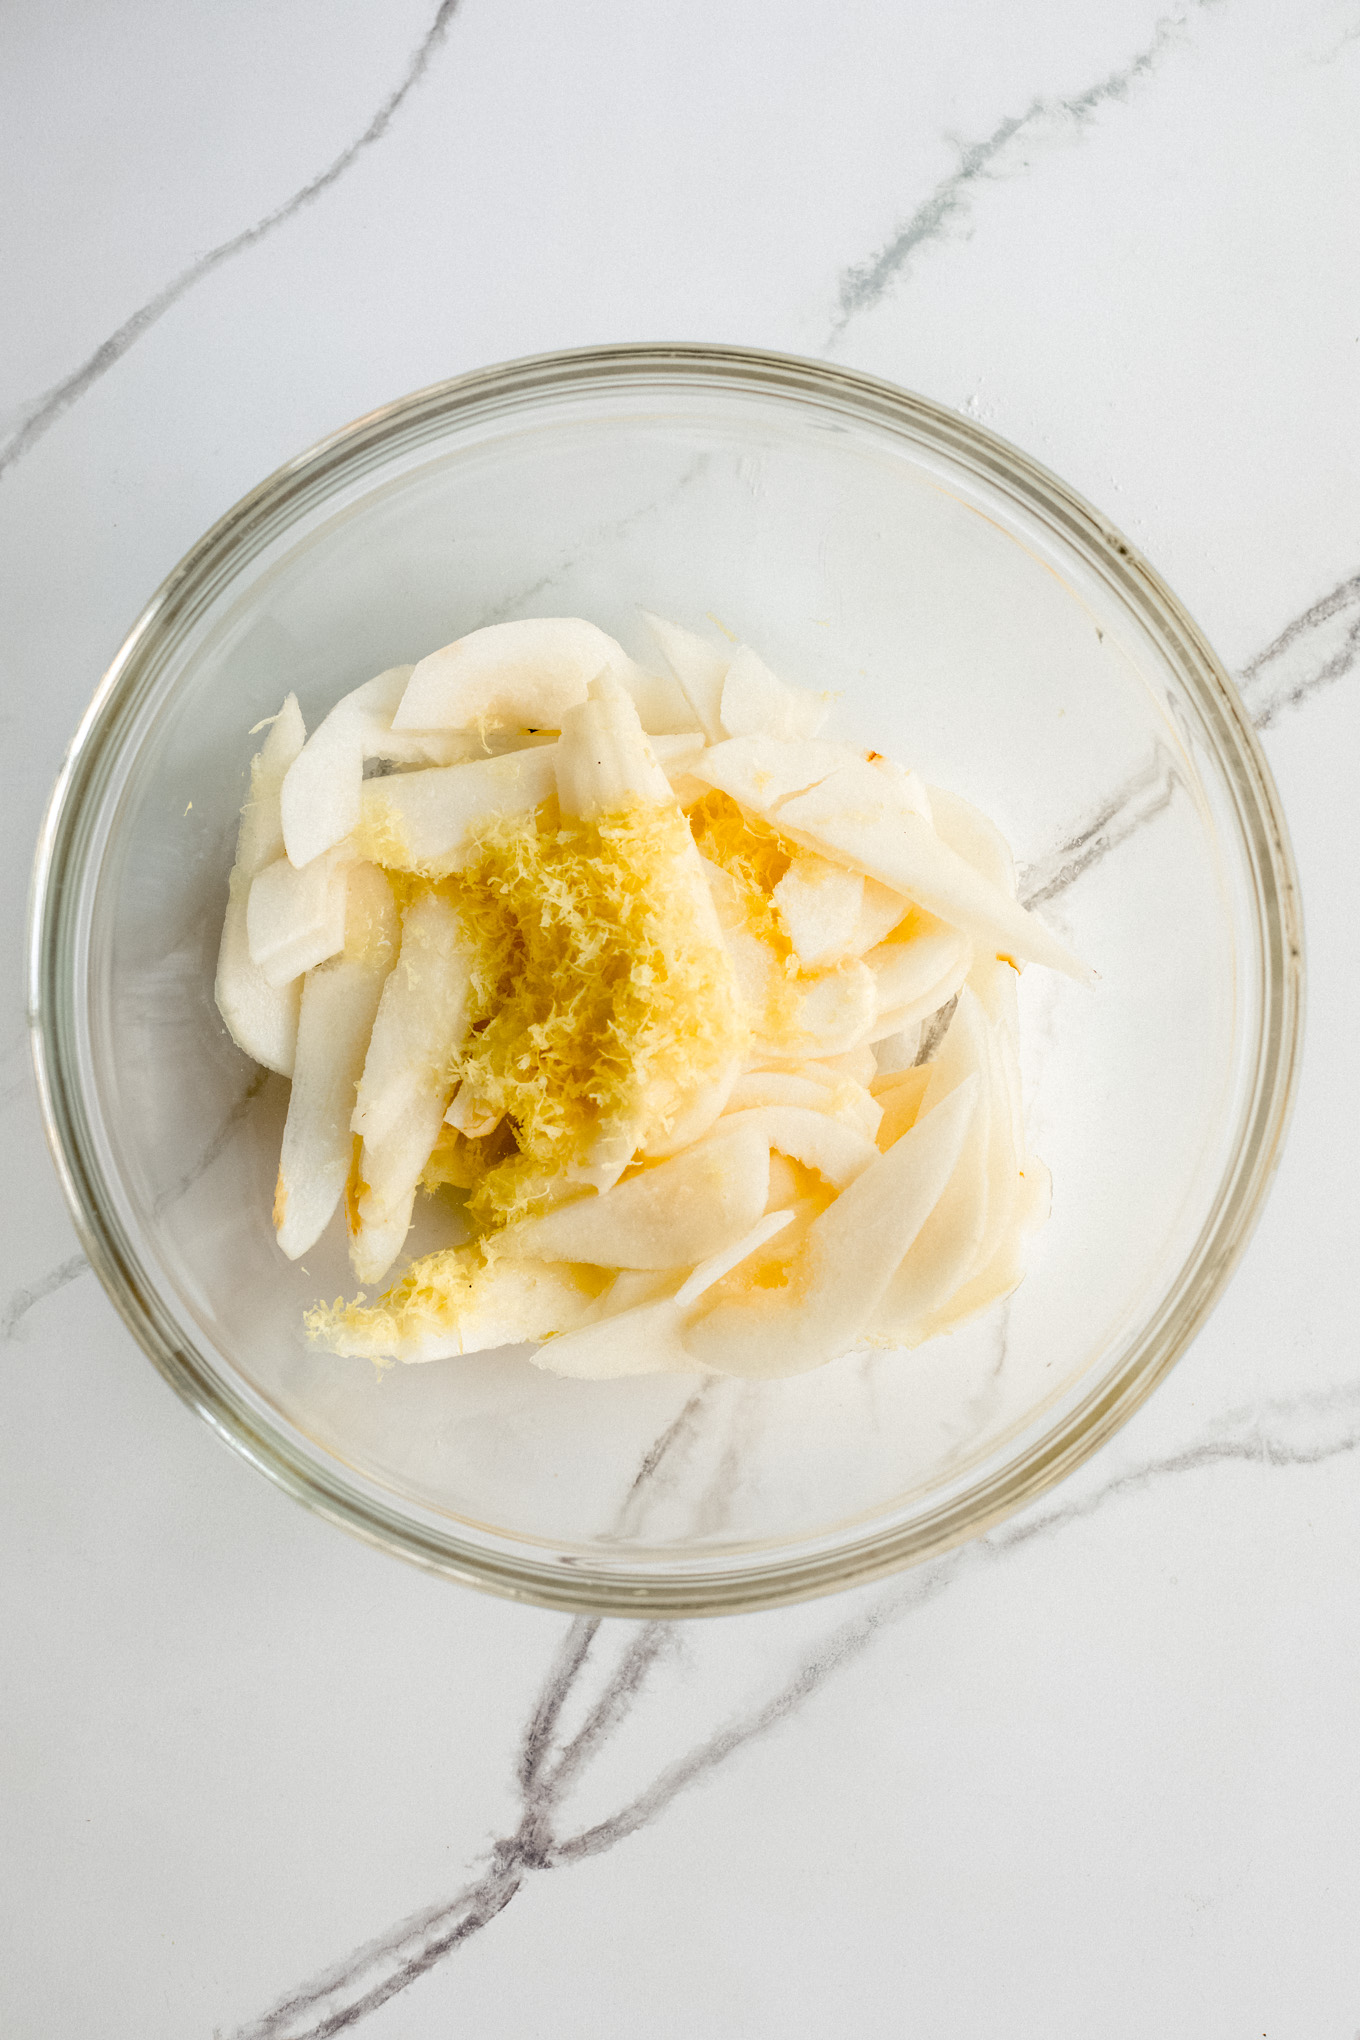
857,1175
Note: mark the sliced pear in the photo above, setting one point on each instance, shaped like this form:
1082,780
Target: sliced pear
261,1018
909,975
695,1115
1005,1271
428,821
945,1253
779,1087
454,1302
471,1116
858,816
660,702
390,1171
603,760
975,836
296,919
700,669
644,1339
421,1022
320,798
815,1139
523,675
880,913
339,1003
756,702
834,1012
845,1262
668,1216
901,1105
820,904
762,771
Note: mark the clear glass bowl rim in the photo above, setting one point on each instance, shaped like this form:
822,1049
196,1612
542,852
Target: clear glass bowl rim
64,844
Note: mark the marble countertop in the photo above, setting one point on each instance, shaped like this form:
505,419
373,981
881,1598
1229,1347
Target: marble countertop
1096,1773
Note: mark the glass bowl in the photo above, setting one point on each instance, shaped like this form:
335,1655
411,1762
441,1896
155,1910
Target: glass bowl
978,621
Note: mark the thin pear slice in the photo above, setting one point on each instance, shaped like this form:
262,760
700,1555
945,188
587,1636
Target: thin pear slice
389,1172
339,1002
471,1116
427,821
815,1139
669,1216
700,669
906,973
696,1114
833,1012
858,816
755,701
946,1250
846,1100
644,1337
422,1020
881,912
845,1262
975,836
820,904
320,798
296,919
1006,1269
523,675
261,1018
453,1302
762,771
660,702
603,760
901,1105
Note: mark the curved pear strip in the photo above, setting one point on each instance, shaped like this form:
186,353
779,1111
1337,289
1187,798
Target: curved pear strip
906,973
756,702
881,912
717,1265
296,919
697,1113
260,1017
523,675
845,1262
762,771
945,1252
903,1018
901,1106
642,1340
660,702
834,1013
699,667
779,1087
858,816
421,1023
820,904
815,1139
669,1216
975,836
339,1002
390,1171
453,1302
427,821
603,760
320,798
1005,1271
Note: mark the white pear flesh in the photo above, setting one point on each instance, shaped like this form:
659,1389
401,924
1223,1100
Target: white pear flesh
644,1339
321,794
695,1114
820,904
975,836
699,668
471,1116
815,1139
945,1252
906,973
760,772
339,1003
669,1216
845,1262
756,701
660,702
880,913
260,1017
296,919
856,815
603,760
522,675
834,1012
427,821
421,1022
390,1171
504,1304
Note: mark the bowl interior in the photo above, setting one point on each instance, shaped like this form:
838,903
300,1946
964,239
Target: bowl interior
973,623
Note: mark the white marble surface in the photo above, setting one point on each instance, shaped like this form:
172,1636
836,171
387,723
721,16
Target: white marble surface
1097,1774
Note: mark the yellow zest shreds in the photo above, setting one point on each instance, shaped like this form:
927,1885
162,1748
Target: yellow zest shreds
599,995
752,853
